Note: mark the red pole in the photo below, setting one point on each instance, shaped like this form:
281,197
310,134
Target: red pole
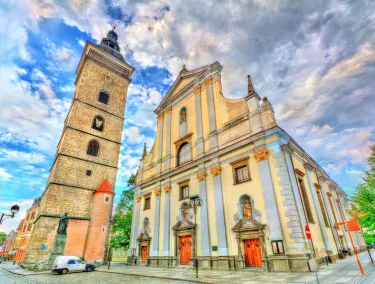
356,255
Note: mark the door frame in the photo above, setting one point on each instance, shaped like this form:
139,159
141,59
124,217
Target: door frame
177,232
144,240
192,249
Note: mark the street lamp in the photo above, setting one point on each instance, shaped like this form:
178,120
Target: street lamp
195,201
14,209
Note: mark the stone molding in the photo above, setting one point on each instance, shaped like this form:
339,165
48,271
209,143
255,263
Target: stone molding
261,155
317,186
197,90
299,172
201,176
157,191
147,195
215,171
322,179
208,81
161,116
167,188
138,199
168,111
308,166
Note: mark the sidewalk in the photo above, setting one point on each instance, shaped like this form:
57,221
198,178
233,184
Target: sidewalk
16,269
343,271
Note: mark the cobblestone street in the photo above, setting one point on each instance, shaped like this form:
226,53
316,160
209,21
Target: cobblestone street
345,271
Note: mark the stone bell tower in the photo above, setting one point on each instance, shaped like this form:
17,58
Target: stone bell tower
87,153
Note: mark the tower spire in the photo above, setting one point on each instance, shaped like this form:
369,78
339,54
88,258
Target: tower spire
144,150
250,88
110,44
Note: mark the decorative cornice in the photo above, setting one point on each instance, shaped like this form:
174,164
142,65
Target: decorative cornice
308,166
215,171
261,155
157,191
167,188
207,82
322,179
147,195
197,90
183,139
201,176
161,116
286,148
138,199
168,111
317,186
299,172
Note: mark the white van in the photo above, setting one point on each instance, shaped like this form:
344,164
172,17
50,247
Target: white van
65,264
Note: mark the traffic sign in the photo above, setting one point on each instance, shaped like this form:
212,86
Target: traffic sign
308,232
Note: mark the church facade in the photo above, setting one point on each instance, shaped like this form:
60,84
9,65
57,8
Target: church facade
83,174
258,188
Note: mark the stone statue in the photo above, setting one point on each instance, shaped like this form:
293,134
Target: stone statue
183,115
146,226
63,224
186,215
247,210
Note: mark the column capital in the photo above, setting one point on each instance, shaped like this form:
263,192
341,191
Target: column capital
322,179
167,188
261,155
308,166
157,191
215,171
161,116
138,199
201,176
197,90
208,81
287,149
168,111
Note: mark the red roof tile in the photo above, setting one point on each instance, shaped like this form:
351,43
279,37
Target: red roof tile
104,187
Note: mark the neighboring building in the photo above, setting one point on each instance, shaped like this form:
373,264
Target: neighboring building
258,186
8,243
24,230
84,170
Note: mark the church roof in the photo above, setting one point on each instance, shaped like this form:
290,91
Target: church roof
105,187
111,45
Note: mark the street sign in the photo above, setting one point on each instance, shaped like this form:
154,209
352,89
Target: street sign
353,226
308,232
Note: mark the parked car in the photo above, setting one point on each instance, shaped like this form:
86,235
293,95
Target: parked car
65,264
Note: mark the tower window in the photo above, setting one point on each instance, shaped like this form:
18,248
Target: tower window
88,172
103,97
93,148
111,45
98,123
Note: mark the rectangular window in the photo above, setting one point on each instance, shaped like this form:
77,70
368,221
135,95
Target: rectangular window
242,174
277,247
184,192
332,208
147,203
322,208
305,201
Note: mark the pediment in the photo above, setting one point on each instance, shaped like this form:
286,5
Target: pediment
184,81
143,237
180,226
252,225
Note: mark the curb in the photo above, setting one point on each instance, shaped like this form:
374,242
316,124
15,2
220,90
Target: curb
158,277
22,274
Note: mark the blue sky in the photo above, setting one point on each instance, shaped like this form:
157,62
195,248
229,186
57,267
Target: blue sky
315,63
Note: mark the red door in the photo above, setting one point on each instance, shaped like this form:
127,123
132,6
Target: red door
185,249
144,254
253,253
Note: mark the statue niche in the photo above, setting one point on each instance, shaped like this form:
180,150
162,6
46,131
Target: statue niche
246,210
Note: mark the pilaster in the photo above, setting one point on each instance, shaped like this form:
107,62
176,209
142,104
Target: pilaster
160,144
137,209
213,141
168,115
167,212
261,157
309,168
198,113
201,176
348,243
219,210
157,193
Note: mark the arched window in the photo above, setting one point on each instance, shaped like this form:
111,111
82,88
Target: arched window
183,115
184,154
103,97
93,148
98,123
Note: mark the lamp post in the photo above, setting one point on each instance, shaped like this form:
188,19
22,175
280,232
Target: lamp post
195,201
14,209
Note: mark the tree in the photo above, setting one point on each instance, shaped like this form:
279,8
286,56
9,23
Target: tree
363,200
3,237
121,229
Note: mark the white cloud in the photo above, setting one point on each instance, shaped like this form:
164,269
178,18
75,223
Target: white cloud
4,175
81,42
